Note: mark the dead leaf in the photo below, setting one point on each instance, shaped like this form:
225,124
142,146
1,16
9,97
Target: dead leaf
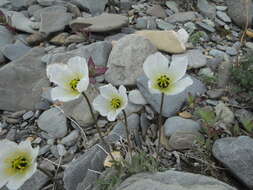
185,114
249,33
108,161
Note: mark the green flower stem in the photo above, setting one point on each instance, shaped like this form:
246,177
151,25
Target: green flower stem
160,124
95,121
128,135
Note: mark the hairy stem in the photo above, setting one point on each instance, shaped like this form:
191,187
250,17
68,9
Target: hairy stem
98,129
160,124
128,135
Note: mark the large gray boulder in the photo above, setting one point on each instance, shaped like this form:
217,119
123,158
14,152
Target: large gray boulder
126,60
172,180
236,154
237,11
22,81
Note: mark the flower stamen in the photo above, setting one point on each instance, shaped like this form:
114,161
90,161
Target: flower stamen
73,83
20,163
163,81
115,103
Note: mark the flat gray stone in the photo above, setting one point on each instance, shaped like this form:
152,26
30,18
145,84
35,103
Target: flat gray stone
237,12
95,7
223,16
102,23
181,17
172,103
77,171
22,81
48,10
206,8
54,22
125,71
99,52
6,37
54,122
175,124
172,180
236,154
196,58
15,51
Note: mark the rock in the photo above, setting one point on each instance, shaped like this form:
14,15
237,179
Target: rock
167,41
136,97
221,8
181,17
141,23
164,25
6,37
249,45
75,39
224,71
46,2
215,93
28,115
15,51
36,182
99,51
26,77
236,154
244,116
224,113
79,109
205,26
20,22
206,72
231,51
48,10
78,171
60,39
125,71
18,4
179,124
102,23
54,22
172,104
196,59
4,2
223,16
238,13
206,8
173,6
71,138
54,122
172,180
182,140
217,53
32,9
157,11
95,7
120,131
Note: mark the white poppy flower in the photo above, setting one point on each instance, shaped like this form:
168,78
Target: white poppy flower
164,79
111,101
17,163
72,79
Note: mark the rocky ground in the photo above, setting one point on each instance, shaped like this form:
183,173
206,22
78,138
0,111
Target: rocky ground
207,128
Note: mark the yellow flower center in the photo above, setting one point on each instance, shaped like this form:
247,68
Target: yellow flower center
20,163
163,82
116,103
73,83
